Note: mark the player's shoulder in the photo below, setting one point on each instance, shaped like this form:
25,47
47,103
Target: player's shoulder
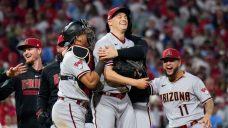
191,77
68,56
51,65
160,80
104,39
134,37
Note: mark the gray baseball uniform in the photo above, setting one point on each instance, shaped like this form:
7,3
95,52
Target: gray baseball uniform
70,109
182,100
114,108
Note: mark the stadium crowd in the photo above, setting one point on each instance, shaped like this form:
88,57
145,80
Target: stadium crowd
197,28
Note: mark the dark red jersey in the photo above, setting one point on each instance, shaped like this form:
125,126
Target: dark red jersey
26,87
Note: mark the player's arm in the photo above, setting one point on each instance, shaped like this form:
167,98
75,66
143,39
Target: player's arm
208,106
44,92
91,78
204,96
111,75
137,52
115,78
7,87
13,71
154,85
43,97
80,68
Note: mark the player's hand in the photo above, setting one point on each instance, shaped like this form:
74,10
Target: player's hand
42,116
141,83
108,52
206,121
15,71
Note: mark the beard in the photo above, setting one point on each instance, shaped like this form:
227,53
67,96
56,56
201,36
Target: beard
29,63
173,74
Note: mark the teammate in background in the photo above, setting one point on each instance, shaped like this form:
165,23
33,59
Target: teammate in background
113,108
13,72
26,85
182,94
49,86
77,78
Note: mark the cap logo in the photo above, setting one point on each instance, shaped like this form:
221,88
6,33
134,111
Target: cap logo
26,41
169,53
109,17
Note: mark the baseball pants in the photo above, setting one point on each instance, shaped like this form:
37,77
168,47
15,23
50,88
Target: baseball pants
112,112
143,119
67,114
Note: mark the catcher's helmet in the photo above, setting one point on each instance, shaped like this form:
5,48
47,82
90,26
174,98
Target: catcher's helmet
76,28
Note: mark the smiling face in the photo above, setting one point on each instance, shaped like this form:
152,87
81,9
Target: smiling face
119,22
31,54
171,66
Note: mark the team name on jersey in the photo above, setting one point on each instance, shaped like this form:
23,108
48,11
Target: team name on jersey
175,96
30,86
30,83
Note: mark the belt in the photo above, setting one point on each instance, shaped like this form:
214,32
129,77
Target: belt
82,103
67,77
117,95
188,125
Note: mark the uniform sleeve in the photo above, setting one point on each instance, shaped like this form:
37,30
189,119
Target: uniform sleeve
95,50
3,77
7,88
140,48
201,91
154,84
77,67
44,91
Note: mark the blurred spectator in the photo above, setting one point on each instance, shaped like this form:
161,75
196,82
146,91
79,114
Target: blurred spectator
156,113
8,112
216,120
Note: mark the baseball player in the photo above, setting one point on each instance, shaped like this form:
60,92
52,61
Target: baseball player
12,72
26,85
49,86
111,105
183,95
139,97
76,77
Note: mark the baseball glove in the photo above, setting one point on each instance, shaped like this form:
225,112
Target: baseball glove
129,68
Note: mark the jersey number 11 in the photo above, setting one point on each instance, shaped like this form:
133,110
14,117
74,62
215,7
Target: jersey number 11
183,108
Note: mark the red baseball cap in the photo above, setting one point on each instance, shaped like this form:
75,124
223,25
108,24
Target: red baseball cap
114,11
60,40
170,53
30,42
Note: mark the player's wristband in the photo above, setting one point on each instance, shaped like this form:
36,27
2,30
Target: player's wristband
99,69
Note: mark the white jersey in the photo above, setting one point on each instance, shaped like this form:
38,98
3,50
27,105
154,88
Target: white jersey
182,100
110,40
75,67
